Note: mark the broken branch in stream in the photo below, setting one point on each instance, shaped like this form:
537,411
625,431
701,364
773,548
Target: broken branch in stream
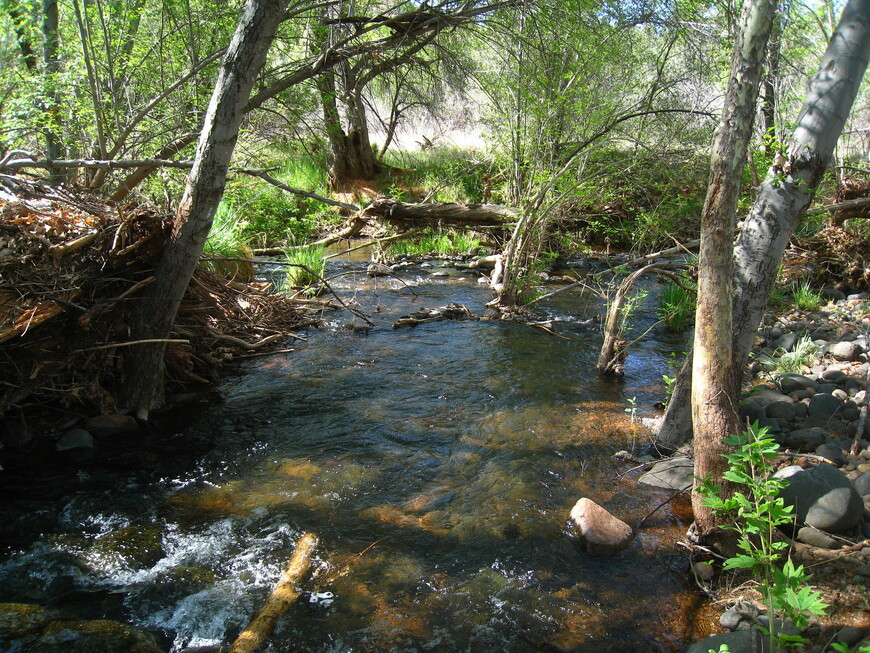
279,601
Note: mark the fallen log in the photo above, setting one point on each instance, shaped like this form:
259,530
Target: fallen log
452,311
279,601
408,215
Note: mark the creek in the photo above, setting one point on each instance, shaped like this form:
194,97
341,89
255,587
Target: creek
437,464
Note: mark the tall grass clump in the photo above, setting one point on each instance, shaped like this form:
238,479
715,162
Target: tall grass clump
676,305
803,355
227,239
444,243
307,266
444,174
804,297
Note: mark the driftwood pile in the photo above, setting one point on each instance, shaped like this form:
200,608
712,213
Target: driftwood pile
451,311
71,271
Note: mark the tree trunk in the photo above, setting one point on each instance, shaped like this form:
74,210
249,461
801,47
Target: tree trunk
242,63
714,391
407,216
51,43
785,195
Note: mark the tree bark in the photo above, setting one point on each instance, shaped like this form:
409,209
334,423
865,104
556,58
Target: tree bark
714,391
785,195
407,215
245,57
51,43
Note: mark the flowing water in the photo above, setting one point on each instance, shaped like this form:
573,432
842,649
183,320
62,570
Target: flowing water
437,464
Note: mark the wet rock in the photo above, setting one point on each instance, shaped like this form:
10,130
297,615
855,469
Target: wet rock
795,382
98,636
379,270
18,620
846,351
106,425
75,439
817,538
823,497
137,546
597,530
674,474
824,404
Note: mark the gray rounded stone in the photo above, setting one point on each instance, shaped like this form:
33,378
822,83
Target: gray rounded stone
75,439
813,537
832,452
786,342
823,497
674,474
806,439
846,351
794,382
781,410
862,484
824,404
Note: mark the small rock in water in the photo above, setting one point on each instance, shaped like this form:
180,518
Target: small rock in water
75,439
674,474
597,530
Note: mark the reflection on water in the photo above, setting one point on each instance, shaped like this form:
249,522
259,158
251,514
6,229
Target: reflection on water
436,464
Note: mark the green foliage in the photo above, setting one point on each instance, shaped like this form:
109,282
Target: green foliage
803,355
444,174
307,266
756,510
677,305
434,242
804,297
628,309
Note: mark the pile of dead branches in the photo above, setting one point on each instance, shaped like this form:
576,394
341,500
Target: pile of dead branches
71,272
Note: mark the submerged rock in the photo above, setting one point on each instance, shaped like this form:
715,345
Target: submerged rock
31,628
597,530
137,546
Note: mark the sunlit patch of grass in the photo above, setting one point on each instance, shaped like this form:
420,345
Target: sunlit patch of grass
804,297
443,243
308,266
676,306
227,240
794,361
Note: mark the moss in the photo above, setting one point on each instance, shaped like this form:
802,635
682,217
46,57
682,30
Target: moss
20,619
138,546
96,636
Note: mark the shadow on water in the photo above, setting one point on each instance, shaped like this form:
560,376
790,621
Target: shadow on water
437,465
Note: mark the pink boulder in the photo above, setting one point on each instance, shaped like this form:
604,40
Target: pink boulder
597,530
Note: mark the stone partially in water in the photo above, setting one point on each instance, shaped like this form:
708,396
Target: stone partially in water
137,546
98,636
18,620
674,474
597,530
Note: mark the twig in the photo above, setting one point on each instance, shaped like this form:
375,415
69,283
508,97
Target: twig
241,343
130,343
262,353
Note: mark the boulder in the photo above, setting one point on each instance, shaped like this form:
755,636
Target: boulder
764,396
846,351
75,439
781,410
674,474
793,382
105,425
806,439
597,530
823,403
823,497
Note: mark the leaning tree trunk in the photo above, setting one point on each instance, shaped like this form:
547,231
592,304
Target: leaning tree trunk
245,57
786,193
714,393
